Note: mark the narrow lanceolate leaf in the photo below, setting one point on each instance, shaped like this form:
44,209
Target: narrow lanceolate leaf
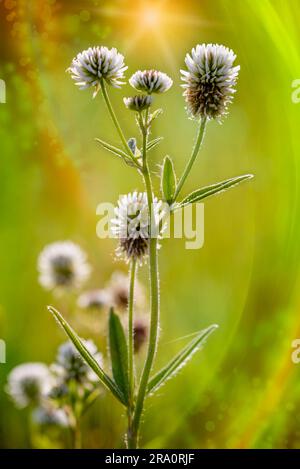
208,191
154,115
168,180
152,143
118,353
88,358
179,360
116,151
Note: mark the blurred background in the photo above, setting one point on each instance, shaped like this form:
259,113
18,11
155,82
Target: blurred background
242,391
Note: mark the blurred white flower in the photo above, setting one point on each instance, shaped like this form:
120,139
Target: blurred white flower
63,264
151,81
70,365
138,103
29,383
117,290
91,66
210,80
93,299
49,416
131,225
140,332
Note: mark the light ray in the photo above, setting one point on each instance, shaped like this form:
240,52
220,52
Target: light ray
166,50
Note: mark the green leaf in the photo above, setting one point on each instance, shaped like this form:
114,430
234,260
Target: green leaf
154,115
118,353
208,191
116,151
90,360
152,143
168,180
180,360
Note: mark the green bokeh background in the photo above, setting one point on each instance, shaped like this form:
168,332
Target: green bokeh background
243,389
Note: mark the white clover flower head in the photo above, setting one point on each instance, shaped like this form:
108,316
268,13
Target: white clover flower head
138,103
50,416
210,80
98,63
117,289
70,365
63,264
151,81
131,225
29,383
93,299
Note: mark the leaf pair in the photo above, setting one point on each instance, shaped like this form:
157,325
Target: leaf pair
116,151
119,387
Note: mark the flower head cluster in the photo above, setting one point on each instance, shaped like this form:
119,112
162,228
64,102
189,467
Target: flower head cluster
210,80
70,365
138,103
63,264
91,66
131,225
118,288
151,81
49,416
93,299
28,383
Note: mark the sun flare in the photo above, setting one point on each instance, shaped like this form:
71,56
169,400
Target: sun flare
150,17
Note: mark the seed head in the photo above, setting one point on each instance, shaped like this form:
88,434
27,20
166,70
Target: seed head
93,299
91,66
117,290
210,80
29,383
151,81
50,416
131,225
140,333
138,103
62,264
70,365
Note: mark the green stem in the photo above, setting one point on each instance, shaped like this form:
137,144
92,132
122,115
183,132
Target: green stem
77,440
199,139
131,331
116,123
154,302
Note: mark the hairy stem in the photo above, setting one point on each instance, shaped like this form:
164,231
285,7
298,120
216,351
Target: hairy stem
154,299
199,139
130,408
77,438
130,329
116,122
